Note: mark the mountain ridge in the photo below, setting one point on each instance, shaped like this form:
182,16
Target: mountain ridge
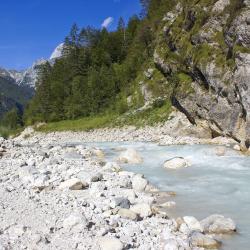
18,87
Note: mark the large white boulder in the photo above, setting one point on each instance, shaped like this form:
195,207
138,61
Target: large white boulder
130,156
192,223
74,220
73,184
198,239
99,153
176,163
218,224
110,243
139,183
142,209
127,214
111,167
236,147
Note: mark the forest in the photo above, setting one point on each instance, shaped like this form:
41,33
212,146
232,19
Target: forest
97,70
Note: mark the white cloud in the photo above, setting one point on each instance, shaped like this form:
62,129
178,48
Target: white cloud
107,22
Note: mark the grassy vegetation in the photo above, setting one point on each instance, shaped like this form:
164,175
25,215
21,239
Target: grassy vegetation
159,112
84,124
241,49
7,132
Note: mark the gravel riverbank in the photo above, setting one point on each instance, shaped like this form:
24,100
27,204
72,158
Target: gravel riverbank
55,195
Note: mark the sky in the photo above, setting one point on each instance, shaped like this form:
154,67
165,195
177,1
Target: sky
31,29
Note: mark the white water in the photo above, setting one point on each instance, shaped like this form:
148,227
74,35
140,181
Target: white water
211,185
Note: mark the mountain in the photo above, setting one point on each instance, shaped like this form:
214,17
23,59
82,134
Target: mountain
12,95
57,53
18,87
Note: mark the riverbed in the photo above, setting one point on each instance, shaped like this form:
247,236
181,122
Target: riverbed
211,185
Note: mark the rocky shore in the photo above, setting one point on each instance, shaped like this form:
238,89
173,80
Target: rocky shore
177,130
59,195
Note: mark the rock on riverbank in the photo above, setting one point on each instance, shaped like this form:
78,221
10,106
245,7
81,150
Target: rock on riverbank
56,195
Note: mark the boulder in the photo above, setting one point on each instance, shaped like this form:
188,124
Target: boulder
220,151
99,153
192,223
142,209
176,163
139,183
110,243
73,184
236,147
198,239
122,202
218,224
130,194
130,156
90,176
127,214
40,182
111,167
171,244
74,220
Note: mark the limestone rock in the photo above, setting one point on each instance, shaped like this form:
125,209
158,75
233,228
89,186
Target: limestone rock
218,224
127,214
130,156
73,184
112,167
176,163
198,239
142,209
73,220
139,183
193,223
236,147
110,243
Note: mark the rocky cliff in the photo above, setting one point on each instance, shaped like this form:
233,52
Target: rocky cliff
202,64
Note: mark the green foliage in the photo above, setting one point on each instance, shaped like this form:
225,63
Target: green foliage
158,113
100,69
83,124
241,49
6,132
12,119
97,68
11,123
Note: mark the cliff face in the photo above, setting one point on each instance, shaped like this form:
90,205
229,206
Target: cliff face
203,59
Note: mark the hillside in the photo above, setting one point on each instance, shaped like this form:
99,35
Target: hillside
194,55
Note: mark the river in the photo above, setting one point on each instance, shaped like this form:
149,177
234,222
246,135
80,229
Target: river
211,185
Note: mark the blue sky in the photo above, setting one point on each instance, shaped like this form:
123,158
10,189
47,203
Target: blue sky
31,29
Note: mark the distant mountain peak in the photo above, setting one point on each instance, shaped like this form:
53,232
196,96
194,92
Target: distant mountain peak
17,87
57,53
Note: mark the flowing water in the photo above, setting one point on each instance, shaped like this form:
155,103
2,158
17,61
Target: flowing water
212,185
